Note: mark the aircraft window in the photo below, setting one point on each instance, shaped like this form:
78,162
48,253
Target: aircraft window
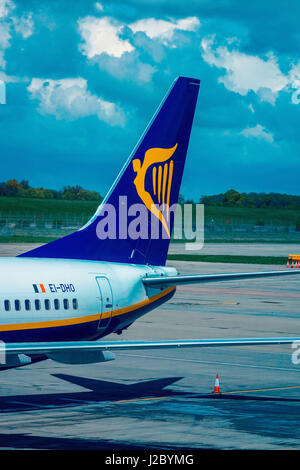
47,304
75,304
56,304
37,304
7,305
17,305
27,304
66,304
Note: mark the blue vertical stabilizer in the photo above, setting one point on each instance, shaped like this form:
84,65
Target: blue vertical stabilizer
142,195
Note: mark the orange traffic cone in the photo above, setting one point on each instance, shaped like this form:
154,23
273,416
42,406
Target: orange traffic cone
292,264
288,263
217,385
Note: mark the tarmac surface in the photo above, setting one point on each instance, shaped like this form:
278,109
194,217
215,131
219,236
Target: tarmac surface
250,249
241,249
163,399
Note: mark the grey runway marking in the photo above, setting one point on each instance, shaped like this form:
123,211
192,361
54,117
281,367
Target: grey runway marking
212,362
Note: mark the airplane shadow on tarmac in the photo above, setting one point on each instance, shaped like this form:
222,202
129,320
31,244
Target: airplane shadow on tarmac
101,391
98,391
23,441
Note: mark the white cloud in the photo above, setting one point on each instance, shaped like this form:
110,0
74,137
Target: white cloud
127,67
163,29
4,35
24,25
246,72
6,7
10,78
103,43
69,98
101,35
258,132
98,6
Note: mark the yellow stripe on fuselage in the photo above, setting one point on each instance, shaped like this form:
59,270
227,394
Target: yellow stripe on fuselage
88,318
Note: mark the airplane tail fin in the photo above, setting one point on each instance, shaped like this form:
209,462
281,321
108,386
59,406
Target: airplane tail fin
134,222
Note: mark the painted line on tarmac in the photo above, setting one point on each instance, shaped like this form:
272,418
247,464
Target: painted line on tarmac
227,303
264,389
211,362
207,394
140,399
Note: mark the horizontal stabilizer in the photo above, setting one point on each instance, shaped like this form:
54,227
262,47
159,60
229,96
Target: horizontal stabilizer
199,278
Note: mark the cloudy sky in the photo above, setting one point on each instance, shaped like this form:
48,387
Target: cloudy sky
83,78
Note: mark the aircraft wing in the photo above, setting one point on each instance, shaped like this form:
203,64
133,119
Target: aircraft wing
88,346
158,281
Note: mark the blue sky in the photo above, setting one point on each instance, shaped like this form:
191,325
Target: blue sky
83,78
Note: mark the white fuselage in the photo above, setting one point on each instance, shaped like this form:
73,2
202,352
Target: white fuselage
64,300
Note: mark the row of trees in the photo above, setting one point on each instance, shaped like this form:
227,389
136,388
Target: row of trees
13,188
233,198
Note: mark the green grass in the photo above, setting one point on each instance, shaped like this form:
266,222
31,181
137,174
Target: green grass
77,213
235,215
256,240
230,259
41,239
26,239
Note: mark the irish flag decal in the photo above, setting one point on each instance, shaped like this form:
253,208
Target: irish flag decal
39,288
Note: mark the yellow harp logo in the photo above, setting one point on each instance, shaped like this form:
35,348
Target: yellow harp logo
161,182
